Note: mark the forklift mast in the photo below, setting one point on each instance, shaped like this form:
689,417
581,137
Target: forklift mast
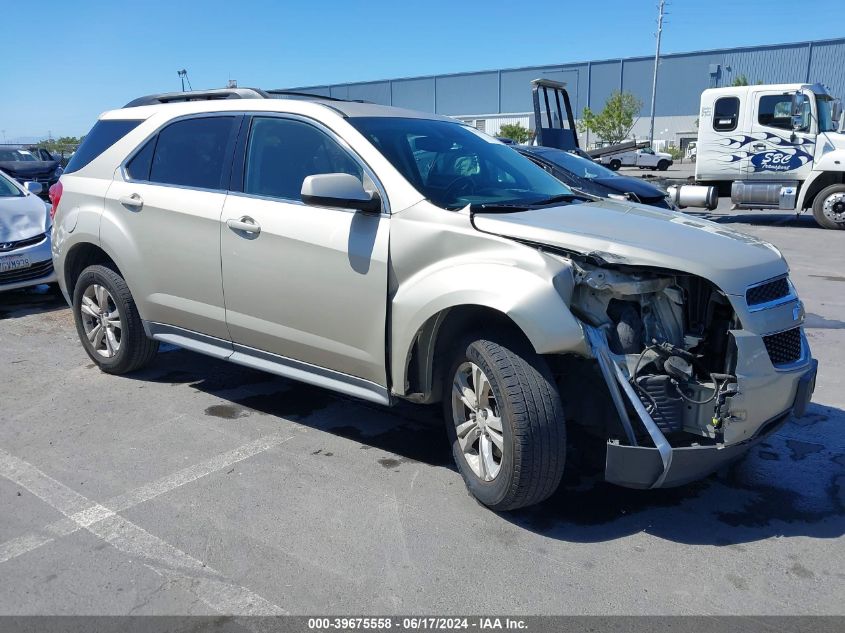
553,115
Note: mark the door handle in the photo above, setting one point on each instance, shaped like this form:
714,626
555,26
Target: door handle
133,202
759,146
245,224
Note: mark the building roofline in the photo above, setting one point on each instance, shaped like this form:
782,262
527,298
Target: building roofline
578,64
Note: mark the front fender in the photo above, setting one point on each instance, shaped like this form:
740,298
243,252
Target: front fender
534,302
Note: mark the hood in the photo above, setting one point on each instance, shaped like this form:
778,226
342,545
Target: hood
639,235
28,169
625,184
21,218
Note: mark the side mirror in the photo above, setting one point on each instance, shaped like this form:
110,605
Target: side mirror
339,190
34,187
836,112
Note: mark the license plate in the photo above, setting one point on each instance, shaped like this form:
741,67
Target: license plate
13,262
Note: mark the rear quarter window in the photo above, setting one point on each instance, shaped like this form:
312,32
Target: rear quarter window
103,135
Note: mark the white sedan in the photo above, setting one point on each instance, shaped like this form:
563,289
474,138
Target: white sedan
25,223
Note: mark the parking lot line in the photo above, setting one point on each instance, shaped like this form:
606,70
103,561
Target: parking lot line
82,517
181,569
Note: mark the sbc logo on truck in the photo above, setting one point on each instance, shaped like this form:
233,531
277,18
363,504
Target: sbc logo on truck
775,160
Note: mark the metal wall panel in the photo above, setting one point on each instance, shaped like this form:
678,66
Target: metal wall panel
476,93
682,77
414,94
604,80
827,66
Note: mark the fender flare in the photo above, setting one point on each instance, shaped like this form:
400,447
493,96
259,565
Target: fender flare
535,303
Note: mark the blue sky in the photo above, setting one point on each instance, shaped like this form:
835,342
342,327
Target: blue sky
82,57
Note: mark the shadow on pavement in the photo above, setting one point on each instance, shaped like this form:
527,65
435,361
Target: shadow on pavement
35,300
793,484
759,218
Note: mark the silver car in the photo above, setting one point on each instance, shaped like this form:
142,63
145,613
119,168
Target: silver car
390,254
25,254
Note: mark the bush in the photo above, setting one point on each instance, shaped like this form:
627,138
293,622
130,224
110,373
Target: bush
515,132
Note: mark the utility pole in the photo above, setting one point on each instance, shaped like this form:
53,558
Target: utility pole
660,8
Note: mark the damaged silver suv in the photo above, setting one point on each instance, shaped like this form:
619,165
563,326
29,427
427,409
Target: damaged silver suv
389,254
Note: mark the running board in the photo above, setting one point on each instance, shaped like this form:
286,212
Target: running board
271,363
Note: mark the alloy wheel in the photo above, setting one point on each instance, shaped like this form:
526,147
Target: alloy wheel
477,421
101,320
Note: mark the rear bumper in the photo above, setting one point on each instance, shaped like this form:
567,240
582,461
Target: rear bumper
643,467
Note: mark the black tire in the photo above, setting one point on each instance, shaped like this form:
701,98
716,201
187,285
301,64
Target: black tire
135,349
663,165
533,426
819,210
615,164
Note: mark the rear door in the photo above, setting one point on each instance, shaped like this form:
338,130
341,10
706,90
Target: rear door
721,137
308,283
777,152
163,210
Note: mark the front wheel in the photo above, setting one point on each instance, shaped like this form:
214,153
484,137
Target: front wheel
829,207
108,322
663,165
505,422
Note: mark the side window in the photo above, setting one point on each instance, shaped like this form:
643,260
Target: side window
103,135
725,114
139,167
775,111
281,153
191,153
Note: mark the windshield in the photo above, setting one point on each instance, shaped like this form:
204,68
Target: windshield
17,155
581,167
825,107
454,165
8,188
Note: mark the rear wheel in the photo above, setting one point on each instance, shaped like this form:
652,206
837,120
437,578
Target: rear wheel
615,164
663,165
829,207
108,322
505,421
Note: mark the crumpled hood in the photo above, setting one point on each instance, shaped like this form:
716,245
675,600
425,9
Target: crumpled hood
21,218
29,168
639,235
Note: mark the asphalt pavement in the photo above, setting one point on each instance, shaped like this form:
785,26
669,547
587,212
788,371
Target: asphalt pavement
200,487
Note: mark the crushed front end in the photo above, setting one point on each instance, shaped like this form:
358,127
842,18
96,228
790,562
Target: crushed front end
696,375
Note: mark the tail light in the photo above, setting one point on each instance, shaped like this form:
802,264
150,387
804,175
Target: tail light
55,196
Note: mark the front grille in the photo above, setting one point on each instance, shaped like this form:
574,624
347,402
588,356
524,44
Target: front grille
769,291
41,269
784,347
10,246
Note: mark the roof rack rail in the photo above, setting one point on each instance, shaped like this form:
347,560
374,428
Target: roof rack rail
199,95
279,93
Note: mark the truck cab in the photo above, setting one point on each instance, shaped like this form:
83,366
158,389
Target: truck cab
775,145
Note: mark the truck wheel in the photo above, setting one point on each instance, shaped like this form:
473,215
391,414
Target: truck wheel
108,322
663,165
505,421
829,207
615,164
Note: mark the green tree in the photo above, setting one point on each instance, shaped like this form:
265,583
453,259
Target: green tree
515,132
740,80
614,122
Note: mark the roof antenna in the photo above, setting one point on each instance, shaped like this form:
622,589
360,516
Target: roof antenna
183,75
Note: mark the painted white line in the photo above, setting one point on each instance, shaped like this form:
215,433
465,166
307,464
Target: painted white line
85,513
182,569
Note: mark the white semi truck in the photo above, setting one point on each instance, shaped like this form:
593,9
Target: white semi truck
775,146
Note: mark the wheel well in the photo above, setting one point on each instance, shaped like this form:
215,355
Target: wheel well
79,258
825,180
437,337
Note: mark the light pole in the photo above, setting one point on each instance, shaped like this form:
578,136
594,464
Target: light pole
660,9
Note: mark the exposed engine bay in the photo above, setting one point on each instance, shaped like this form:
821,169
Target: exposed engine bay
662,340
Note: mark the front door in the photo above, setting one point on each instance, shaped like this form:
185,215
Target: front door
304,282
775,151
